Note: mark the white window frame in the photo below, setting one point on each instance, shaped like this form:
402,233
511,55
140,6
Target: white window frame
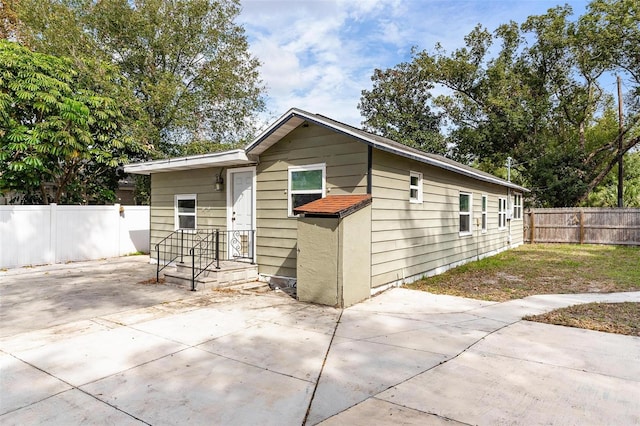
469,214
517,206
502,213
484,206
176,218
306,168
417,188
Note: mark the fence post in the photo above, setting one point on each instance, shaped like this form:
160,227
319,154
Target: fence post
532,226
581,226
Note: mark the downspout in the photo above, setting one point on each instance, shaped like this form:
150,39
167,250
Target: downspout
369,167
509,211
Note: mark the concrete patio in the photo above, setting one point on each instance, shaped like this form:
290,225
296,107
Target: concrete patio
88,343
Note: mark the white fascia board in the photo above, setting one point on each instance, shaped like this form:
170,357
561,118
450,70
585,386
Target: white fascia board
236,157
294,112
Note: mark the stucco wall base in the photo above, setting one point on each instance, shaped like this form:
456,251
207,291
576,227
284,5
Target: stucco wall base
439,270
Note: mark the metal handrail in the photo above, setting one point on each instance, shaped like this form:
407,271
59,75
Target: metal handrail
173,247
205,246
208,250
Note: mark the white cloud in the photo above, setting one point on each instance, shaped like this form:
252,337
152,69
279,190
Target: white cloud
319,55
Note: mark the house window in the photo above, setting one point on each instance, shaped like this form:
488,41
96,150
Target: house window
517,206
502,213
306,184
484,213
415,187
185,211
465,213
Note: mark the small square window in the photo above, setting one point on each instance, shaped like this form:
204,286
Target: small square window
415,187
185,211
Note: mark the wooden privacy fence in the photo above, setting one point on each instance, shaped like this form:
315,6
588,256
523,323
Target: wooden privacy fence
583,226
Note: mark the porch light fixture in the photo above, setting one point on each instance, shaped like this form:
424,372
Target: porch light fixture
219,182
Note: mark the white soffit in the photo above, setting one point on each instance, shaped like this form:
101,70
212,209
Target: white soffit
278,130
236,157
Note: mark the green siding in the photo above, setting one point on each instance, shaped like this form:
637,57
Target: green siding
346,167
412,239
211,205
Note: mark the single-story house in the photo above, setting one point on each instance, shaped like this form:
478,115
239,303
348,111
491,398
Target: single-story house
422,213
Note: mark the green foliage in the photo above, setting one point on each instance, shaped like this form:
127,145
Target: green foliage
531,92
59,135
606,195
186,61
406,116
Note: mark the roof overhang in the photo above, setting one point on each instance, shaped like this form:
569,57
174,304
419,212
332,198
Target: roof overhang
236,157
295,117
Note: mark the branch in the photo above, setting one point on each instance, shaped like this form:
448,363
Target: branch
604,172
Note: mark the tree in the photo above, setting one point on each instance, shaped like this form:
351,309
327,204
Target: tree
8,19
398,108
57,131
606,195
187,61
536,96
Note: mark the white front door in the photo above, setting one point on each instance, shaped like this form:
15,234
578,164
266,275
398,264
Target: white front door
240,222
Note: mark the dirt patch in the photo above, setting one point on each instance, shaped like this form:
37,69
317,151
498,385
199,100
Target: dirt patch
541,269
151,281
620,318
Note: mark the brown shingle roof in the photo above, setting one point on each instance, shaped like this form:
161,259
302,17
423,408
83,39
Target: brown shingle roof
334,205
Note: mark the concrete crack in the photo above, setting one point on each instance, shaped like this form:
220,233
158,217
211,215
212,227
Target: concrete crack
324,361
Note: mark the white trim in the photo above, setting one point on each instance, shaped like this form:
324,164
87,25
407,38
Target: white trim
470,214
305,168
229,189
297,116
484,216
418,187
519,206
176,221
502,202
214,159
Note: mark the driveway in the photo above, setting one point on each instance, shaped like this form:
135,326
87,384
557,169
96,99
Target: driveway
87,343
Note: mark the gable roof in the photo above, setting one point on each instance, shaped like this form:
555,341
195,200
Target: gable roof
289,122
334,205
295,117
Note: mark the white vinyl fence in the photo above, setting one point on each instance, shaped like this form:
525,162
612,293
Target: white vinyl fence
36,235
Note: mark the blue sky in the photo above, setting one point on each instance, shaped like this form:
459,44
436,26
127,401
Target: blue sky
318,55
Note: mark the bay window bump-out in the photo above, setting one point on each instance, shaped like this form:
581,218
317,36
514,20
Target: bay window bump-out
465,203
305,184
415,187
185,211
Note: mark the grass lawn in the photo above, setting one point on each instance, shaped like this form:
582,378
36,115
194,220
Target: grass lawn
549,269
541,269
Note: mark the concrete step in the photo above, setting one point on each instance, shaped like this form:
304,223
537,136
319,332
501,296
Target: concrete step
229,274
